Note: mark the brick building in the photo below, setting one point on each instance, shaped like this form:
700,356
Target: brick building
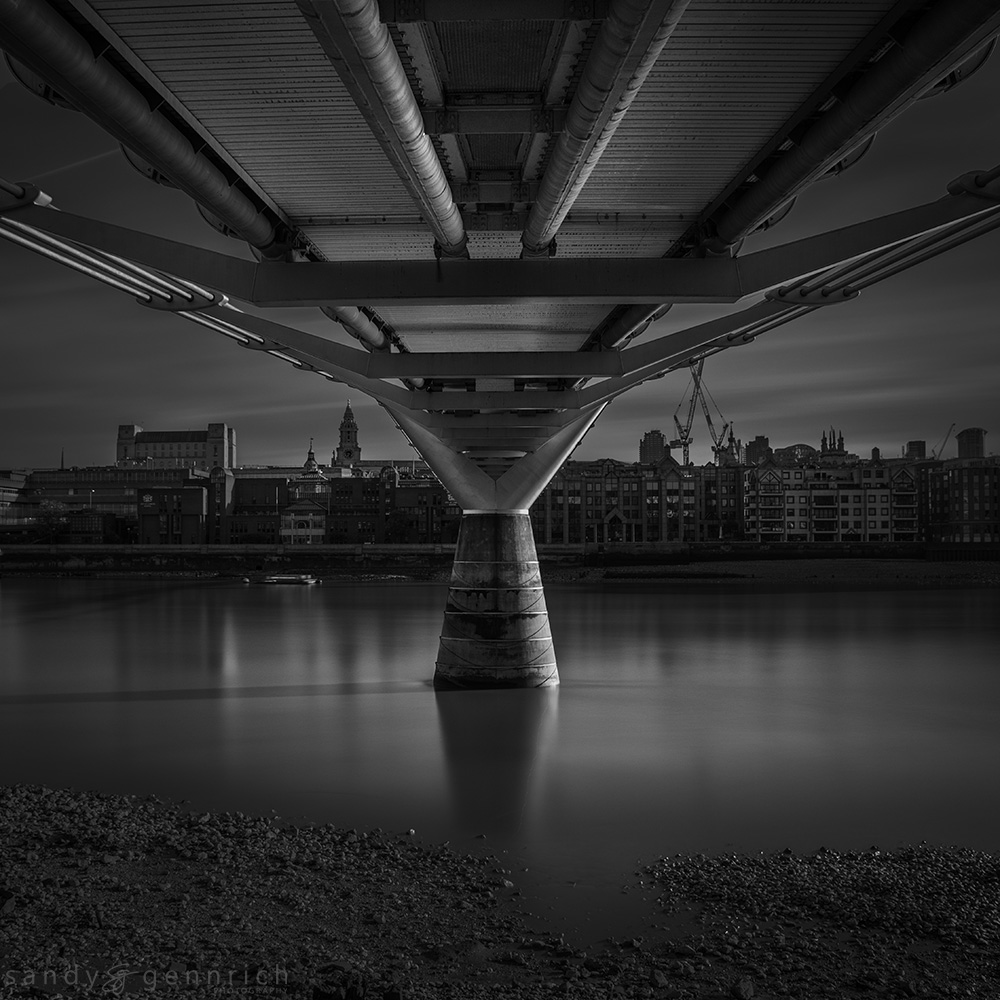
960,500
866,502
174,516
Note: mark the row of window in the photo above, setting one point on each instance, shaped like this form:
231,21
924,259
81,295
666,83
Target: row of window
866,473
844,526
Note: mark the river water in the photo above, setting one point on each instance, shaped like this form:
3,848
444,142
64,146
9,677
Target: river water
716,718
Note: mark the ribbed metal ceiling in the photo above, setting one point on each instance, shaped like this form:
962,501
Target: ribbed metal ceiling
255,77
493,152
494,56
257,84
732,74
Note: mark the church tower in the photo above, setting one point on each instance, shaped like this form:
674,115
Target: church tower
348,451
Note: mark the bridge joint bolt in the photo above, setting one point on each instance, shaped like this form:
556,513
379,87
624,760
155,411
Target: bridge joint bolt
178,303
817,297
981,183
11,201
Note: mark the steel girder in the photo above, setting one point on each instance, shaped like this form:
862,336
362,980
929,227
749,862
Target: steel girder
802,276
462,282
629,43
361,51
503,459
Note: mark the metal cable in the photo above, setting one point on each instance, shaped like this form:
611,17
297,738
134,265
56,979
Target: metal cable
918,248
90,259
929,252
212,324
75,264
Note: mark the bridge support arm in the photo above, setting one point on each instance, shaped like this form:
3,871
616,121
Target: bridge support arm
652,281
496,626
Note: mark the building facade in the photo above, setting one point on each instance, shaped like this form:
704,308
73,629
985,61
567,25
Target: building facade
611,501
863,502
103,490
174,516
12,483
758,450
214,446
960,500
971,442
653,448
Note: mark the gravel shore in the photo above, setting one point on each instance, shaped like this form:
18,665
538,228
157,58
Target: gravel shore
104,895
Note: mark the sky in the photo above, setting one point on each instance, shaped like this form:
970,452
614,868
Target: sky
907,359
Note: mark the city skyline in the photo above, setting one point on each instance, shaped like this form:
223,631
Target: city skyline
321,450
903,362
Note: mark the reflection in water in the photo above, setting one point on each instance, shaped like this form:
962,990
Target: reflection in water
708,719
495,747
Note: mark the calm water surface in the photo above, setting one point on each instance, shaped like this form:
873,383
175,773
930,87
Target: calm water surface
708,720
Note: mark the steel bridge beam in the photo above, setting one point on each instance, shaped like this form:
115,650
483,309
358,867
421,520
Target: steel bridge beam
946,34
415,11
36,35
628,44
359,48
647,280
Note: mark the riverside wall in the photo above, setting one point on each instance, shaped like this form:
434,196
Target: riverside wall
422,560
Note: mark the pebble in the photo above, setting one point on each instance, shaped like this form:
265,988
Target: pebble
379,916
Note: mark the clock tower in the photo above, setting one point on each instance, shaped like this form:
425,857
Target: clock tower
348,451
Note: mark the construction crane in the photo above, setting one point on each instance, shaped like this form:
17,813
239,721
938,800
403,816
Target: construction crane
684,439
720,443
936,453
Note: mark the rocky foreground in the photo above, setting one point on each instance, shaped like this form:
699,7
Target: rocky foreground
109,895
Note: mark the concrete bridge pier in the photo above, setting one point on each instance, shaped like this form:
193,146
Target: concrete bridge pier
496,626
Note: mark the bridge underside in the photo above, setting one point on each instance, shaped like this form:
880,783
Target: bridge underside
431,181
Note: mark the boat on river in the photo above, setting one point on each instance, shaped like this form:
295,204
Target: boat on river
294,579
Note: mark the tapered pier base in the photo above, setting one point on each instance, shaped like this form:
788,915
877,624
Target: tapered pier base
496,626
